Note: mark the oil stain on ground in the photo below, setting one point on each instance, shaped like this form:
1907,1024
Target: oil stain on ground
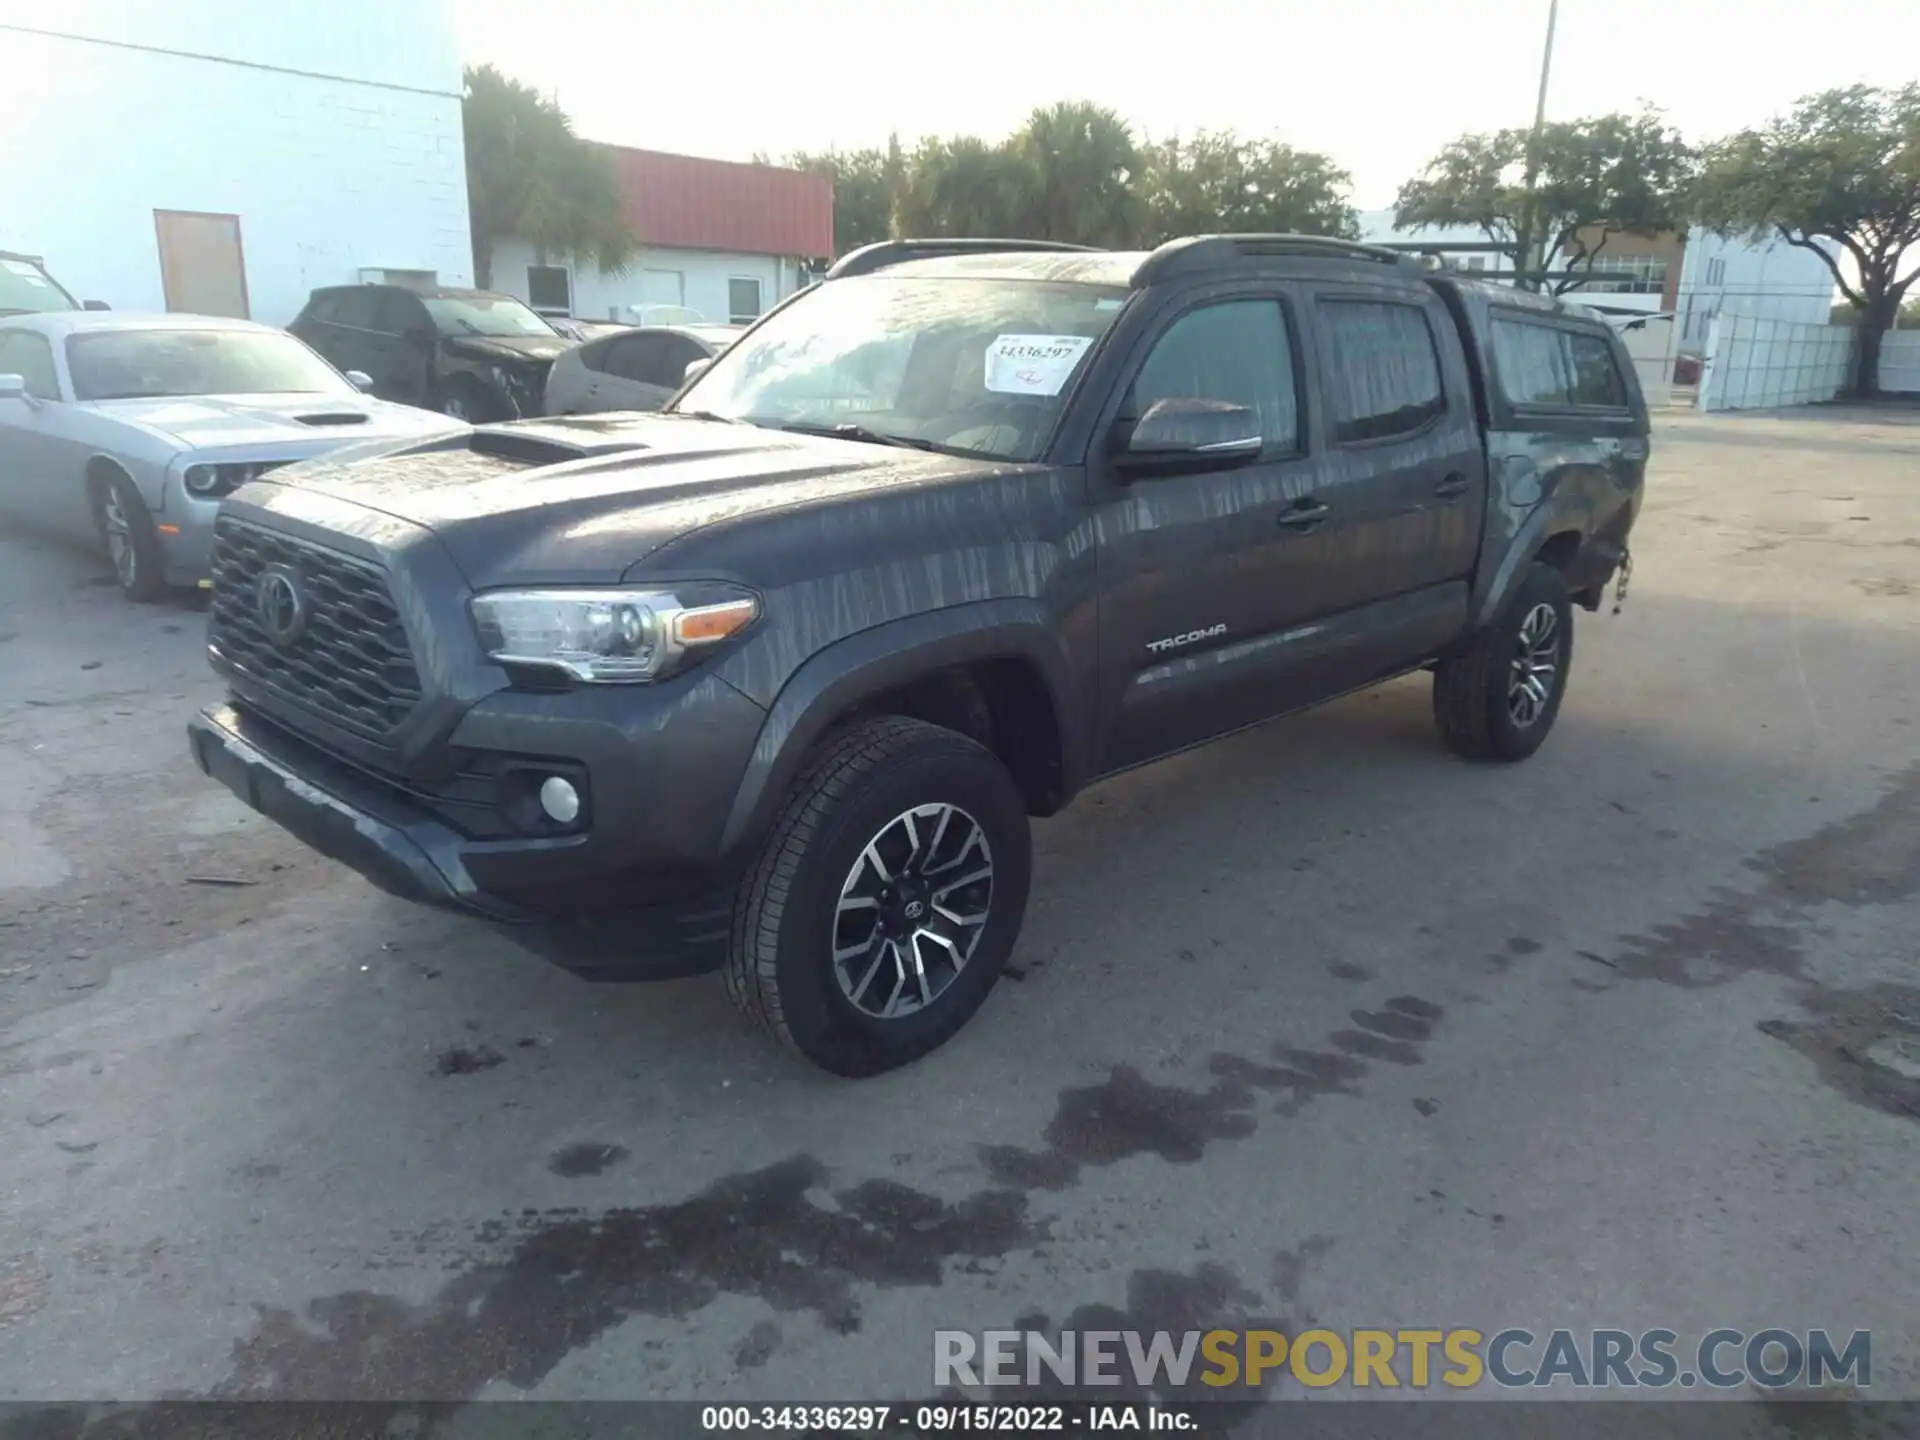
1126,1115
1871,859
773,1234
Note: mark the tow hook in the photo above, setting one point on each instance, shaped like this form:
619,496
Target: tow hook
1620,584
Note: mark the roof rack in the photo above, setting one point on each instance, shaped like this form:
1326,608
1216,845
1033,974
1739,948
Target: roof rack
1212,252
878,256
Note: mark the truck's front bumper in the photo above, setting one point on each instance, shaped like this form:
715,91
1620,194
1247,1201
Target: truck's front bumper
407,852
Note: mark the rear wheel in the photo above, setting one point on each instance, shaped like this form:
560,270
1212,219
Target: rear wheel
132,543
886,899
1498,699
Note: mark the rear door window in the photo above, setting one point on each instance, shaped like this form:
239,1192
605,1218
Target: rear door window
357,309
1384,371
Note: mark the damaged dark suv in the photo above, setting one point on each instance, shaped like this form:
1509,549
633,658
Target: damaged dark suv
471,354
771,682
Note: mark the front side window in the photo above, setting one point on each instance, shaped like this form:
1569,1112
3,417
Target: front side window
634,357
135,364
499,316
30,356
1385,371
978,365
1235,352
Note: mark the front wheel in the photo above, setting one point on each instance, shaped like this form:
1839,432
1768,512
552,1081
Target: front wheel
886,898
132,543
1498,699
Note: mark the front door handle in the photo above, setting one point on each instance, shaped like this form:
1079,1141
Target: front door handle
1305,514
1453,487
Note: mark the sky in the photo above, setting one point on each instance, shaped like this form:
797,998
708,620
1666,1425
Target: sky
1378,86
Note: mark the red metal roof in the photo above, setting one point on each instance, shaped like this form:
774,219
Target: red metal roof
684,202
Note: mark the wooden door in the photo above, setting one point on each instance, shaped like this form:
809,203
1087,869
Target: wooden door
202,266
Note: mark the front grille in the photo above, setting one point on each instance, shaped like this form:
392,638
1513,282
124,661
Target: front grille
351,664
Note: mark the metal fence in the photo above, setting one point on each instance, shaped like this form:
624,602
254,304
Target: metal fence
1900,362
1754,364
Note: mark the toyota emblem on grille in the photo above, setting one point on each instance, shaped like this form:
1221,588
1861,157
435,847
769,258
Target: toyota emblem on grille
281,604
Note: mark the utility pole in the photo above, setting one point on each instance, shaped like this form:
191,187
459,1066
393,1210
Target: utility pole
1534,262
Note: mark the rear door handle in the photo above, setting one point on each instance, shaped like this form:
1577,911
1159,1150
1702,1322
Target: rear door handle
1453,487
1305,515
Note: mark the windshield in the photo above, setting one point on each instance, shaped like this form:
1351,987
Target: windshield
131,364
484,315
976,366
26,289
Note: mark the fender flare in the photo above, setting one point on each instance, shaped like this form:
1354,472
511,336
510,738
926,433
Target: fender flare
1547,520
884,657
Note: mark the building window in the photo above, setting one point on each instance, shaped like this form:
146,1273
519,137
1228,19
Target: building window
1476,262
1625,275
550,289
743,301
1716,273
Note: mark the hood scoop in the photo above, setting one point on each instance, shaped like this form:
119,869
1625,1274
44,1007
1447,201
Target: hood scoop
342,417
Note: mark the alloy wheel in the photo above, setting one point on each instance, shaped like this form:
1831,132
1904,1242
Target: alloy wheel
1536,665
912,911
113,516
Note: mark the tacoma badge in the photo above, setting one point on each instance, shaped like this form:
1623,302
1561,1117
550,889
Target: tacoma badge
1175,642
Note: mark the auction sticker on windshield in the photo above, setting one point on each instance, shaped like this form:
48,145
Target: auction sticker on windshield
1033,364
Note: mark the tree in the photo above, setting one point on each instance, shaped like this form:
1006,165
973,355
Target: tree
529,177
1218,182
1077,168
1612,174
964,186
865,185
1843,168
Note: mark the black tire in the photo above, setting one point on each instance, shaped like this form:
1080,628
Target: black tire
1475,703
860,783
466,399
133,545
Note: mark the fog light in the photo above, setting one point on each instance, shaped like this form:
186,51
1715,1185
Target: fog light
560,800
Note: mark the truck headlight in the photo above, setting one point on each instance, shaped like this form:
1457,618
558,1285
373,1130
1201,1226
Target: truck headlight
605,636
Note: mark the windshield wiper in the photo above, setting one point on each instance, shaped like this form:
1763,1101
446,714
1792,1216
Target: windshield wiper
847,430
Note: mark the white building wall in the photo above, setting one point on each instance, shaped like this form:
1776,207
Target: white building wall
1769,281
333,132
694,279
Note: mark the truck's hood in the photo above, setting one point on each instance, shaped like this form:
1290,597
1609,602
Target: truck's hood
536,350
585,500
195,422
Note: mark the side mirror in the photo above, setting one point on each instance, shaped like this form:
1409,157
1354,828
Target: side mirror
95,305
360,380
1192,434
13,387
695,369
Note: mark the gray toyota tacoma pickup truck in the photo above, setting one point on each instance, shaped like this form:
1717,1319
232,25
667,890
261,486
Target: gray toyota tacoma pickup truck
770,682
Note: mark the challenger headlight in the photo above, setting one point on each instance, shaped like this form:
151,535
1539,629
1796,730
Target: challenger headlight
606,636
211,481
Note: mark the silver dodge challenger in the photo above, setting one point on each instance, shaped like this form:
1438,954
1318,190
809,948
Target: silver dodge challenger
129,430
